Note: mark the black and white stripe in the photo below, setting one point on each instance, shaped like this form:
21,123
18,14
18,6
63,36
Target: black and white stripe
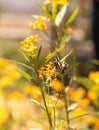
61,66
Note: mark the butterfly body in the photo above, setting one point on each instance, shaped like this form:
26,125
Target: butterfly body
61,66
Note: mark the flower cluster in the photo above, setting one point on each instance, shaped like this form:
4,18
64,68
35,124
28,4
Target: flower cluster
38,24
59,2
47,71
51,82
29,91
7,73
29,45
94,76
57,85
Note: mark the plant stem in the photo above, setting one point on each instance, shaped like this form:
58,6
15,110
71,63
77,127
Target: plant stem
66,104
66,109
54,116
47,112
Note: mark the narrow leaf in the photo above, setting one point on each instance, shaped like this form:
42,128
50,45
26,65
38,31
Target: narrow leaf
60,15
22,64
39,52
72,107
38,56
26,75
25,56
86,114
65,57
72,17
37,103
54,11
51,55
44,10
96,62
86,82
70,20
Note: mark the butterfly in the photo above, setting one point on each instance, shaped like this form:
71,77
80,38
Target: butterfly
60,65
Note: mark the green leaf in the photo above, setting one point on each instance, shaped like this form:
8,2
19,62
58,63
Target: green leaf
72,107
27,76
66,56
25,56
51,55
22,64
86,82
24,74
72,17
54,11
96,103
96,62
60,15
38,56
70,20
37,103
82,115
39,52
44,10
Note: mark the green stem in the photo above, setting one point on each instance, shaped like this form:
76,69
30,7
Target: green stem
66,104
66,110
54,116
47,112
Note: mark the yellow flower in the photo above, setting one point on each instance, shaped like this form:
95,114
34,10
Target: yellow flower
4,115
41,73
50,70
60,2
41,70
76,94
53,102
49,65
31,39
27,41
33,91
47,71
84,102
8,73
16,95
53,72
41,76
28,89
6,81
96,125
70,31
30,48
38,24
36,38
57,85
78,112
3,63
29,44
92,95
47,2
94,76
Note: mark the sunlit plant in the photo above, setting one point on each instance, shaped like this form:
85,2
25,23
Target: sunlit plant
48,74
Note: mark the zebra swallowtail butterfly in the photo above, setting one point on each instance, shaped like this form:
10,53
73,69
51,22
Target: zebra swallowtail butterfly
61,66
